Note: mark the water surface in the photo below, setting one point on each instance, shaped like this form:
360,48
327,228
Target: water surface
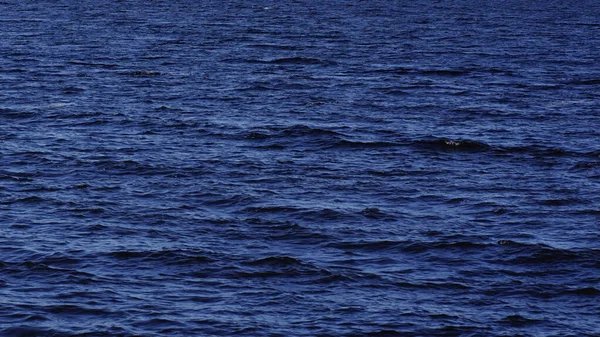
299,168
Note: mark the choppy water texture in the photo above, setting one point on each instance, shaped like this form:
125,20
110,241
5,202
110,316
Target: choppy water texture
299,168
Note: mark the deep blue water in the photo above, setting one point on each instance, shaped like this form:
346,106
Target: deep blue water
299,168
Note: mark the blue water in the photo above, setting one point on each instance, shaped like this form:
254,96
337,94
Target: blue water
299,168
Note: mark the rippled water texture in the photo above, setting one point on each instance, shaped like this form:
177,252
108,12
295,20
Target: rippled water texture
299,168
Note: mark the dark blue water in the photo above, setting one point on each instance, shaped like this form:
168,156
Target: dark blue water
299,168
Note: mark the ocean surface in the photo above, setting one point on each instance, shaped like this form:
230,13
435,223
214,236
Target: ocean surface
299,168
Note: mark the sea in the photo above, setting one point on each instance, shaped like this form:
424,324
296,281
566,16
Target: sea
299,168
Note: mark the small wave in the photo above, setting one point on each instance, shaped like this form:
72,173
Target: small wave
449,244
469,146
42,189
158,323
356,144
124,167
393,91
23,177
536,150
294,132
31,331
276,261
233,200
143,73
452,145
307,214
257,87
593,81
58,259
76,115
25,200
445,72
298,60
433,285
15,114
88,210
324,214
71,90
563,202
15,70
375,214
72,309
447,331
587,291
392,70
280,266
419,247
538,254
285,61
20,226
367,246
36,331
256,135
274,209
384,333
586,165
518,321
94,64
53,271
172,257
275,46
287,231
93,122
305,130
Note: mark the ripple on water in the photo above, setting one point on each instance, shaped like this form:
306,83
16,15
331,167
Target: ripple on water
298,169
